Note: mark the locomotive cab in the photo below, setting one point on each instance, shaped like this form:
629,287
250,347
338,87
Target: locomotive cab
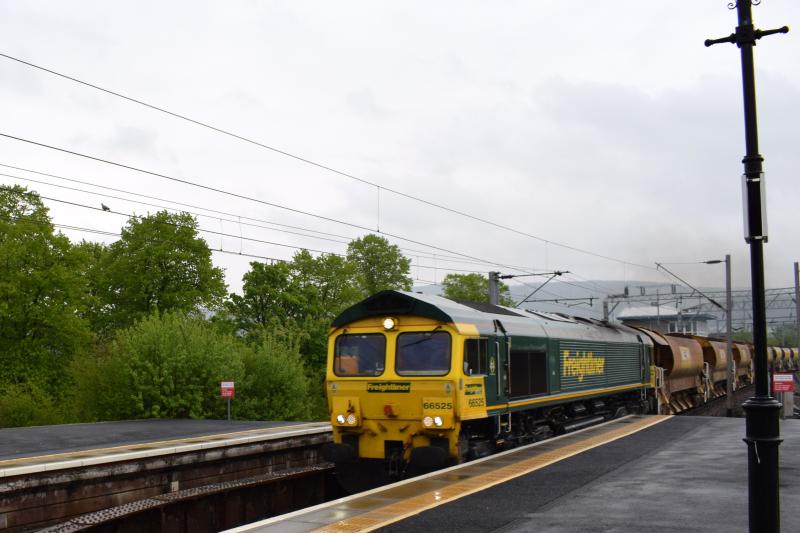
398,387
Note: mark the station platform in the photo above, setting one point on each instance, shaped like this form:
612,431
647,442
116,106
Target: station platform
74,477
28,450
638,473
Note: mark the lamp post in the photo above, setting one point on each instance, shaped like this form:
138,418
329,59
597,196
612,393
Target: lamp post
728,332
761,411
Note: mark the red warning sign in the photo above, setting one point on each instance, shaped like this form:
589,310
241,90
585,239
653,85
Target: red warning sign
782,382
227,389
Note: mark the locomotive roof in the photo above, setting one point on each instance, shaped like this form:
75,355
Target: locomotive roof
487,318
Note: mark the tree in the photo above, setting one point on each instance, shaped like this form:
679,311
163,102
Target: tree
784,336
378,265
331,278
270,294
328,280
473,288
159,263
91,257
41,291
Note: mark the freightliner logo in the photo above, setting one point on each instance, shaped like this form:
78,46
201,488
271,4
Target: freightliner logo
389,386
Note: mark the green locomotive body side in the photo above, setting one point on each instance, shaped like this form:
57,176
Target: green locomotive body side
571,369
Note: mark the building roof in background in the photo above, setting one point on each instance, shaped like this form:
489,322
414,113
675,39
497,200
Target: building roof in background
652,312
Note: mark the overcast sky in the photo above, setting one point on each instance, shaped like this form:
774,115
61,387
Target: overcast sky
604,126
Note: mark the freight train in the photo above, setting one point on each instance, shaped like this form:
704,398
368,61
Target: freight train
416,382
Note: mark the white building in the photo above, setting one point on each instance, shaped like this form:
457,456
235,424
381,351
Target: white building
667,319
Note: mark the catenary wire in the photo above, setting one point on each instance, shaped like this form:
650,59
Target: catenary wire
95,231
239,218
242,196
230,235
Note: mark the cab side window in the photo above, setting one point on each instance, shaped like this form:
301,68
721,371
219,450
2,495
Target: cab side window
476,356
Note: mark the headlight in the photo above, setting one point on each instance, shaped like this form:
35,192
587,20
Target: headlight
389,324
340,419
427,421
351,419
438,421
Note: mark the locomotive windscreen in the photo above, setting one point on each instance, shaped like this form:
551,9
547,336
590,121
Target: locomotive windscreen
423,353
360,355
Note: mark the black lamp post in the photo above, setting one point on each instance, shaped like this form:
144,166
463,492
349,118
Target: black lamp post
761,411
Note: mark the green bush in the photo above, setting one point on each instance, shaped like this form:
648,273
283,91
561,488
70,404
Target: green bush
275,386
26,404
169,366
164,366
101,389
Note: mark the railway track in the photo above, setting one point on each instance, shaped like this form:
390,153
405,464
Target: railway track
718,406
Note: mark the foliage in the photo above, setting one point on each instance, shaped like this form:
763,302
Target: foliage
309,292
378,265
302,295
330,277
41,292
153,355
27,404
159,263
90,257
473,288
268,292
785,336
275,386
782,335
165,366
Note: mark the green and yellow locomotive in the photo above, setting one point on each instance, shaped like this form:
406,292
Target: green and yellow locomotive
416,382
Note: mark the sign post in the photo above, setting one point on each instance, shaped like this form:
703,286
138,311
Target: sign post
783,383
227,390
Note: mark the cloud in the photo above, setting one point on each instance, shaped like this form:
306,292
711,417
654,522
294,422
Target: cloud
626,144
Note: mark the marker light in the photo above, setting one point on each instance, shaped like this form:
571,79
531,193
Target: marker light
389,324
427,421
351,419
438,421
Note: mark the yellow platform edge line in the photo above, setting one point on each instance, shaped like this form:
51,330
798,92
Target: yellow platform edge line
346,525
154,444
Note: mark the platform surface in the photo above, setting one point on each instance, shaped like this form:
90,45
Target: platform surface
41,440
668,474
33,449
686,474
